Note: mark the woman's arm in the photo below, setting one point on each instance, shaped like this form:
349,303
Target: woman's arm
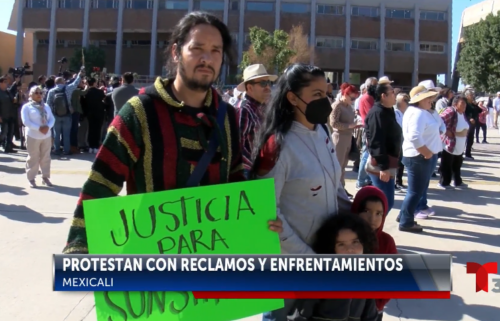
376,134
25,117
414,132
290,241
335,117
50,117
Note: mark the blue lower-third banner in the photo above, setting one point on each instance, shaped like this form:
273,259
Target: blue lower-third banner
253,273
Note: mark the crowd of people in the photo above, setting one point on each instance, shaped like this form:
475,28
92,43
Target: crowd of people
60,115
182,132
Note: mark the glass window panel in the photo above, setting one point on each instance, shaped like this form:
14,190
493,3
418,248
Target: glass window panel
139,4
234,6
295,7
209,5
176,5
38,4
260,6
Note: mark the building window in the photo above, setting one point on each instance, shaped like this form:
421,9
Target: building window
431,48
248,41
139,4
397,46
295,7
365,11
399,13
234,5
43,41
234,36
260,6
94,4
329,42
209,5
38,4
137,43
176,5
432,15
364,44
60,42
328,9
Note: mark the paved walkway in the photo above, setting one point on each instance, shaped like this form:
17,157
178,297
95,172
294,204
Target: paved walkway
34,225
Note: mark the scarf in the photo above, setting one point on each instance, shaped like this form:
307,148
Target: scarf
41,109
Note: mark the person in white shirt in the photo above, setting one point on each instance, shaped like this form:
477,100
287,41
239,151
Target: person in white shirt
38,120
362,91
402,100
496,109
421,143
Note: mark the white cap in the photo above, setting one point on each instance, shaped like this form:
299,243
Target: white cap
429,85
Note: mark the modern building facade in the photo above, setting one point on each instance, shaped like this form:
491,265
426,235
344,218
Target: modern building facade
7,58
470,16
408,40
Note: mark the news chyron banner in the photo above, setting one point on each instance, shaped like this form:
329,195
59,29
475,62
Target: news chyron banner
219,219
261,276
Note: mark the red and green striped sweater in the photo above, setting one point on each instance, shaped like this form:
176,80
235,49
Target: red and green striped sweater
153,145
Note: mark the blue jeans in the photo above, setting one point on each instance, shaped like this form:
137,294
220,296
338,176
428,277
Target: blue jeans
418,169
386,187
363,178
62,127
422,204
75,120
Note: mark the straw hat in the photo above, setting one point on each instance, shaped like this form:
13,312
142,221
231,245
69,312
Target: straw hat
254,72
419,93
385,80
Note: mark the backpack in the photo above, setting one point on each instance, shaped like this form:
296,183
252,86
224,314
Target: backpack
61,106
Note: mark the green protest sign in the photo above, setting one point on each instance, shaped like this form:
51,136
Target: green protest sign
218,219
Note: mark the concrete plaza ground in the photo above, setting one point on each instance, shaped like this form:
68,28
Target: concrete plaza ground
34,224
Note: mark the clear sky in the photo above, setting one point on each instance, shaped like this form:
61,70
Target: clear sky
458,7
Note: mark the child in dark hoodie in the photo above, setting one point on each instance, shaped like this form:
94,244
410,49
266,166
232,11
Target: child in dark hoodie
340,234
370,204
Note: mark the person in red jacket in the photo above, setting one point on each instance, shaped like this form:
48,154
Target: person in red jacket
371,205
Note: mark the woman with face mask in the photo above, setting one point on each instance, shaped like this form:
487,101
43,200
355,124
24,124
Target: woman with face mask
294,147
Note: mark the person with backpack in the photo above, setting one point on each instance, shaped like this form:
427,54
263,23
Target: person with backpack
58,99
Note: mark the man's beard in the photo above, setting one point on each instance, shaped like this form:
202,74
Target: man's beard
192,83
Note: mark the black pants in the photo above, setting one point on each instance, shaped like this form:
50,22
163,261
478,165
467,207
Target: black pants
450,168
478,127
8,125
470,139
380,315
94,135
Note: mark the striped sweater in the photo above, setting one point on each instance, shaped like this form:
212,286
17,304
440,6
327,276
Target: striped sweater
154,144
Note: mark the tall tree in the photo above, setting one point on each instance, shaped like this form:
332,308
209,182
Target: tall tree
94,57
479,61
271,50
299,43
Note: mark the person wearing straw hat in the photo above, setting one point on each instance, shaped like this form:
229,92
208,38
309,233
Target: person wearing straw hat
256,84
421,142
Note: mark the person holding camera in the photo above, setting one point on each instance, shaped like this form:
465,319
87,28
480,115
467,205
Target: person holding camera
58,99
8,113
38,120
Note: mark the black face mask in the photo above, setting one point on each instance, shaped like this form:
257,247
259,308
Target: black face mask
317,111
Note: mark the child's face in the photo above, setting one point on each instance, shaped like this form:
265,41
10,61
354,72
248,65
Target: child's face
348,243
373,214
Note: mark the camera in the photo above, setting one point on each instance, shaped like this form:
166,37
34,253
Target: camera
63,60
21,71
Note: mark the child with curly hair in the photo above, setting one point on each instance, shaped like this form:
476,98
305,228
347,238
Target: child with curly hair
340,234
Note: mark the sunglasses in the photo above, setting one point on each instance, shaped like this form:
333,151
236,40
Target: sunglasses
262,83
